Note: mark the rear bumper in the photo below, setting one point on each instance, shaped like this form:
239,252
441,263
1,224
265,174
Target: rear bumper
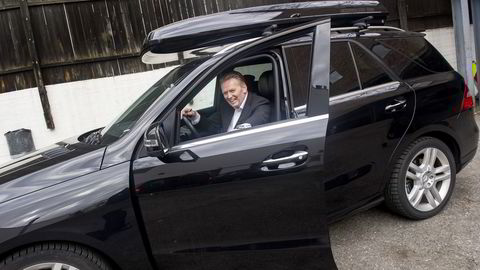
468,133
467,158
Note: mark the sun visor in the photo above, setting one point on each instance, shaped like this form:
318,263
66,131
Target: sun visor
151,58
236,25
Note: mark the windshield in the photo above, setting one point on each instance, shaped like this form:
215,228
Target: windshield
122,124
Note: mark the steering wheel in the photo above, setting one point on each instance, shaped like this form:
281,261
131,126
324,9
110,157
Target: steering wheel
190,126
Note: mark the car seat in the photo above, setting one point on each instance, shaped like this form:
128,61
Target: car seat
266,89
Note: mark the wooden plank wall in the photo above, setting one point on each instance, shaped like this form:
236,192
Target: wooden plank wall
84,39
76,39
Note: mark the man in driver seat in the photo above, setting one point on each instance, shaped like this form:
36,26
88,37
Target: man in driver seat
242,109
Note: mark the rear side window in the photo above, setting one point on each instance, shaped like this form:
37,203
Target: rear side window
343,76
298,60
343,70
369,69
410,57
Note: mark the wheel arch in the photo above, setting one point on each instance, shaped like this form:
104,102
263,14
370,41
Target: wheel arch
450,142
21,246
438,131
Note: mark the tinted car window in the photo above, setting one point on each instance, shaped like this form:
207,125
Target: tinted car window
419,50
298,60
343,76
369,69
409,58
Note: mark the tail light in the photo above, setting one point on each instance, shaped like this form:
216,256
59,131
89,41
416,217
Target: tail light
467,99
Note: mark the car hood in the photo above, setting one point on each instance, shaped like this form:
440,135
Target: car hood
49,166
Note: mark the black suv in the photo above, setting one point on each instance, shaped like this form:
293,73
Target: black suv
354,113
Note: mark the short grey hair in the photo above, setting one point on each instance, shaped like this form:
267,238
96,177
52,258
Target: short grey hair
233,75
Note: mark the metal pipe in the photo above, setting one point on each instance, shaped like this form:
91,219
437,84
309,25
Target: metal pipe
475,4
348,28
463,47
385,28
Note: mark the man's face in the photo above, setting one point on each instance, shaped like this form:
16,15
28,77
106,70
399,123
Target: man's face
234,92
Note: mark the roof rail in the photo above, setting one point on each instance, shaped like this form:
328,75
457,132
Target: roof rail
385,28
362,29
230,46
359,28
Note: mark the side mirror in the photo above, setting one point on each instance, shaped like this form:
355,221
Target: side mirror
155,142
156,145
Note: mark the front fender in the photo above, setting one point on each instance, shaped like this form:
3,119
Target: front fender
94,210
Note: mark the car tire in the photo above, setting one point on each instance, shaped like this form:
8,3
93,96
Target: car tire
422,179
50,255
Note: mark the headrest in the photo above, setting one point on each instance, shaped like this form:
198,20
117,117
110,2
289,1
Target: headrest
249,78
266,85
251,85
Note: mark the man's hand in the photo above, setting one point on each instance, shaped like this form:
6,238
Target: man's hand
189,112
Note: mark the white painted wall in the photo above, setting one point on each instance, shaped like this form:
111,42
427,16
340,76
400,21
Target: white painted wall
76,107
444,40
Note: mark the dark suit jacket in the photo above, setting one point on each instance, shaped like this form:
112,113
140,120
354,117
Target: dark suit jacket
256,111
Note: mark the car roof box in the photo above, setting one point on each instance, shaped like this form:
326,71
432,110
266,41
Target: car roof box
240,24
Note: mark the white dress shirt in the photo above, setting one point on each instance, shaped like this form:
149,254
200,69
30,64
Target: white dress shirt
236,115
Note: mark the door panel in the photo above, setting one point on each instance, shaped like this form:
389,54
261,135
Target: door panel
360,140
364,129
226,206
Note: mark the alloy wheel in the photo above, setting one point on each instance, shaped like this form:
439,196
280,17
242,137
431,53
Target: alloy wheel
428,178
51,266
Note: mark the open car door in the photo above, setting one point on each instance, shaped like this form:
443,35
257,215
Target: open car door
250,199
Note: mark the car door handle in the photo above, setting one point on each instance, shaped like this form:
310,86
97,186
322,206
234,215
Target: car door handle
399,105
295,160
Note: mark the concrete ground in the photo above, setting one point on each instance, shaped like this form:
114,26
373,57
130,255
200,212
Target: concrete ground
378,239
